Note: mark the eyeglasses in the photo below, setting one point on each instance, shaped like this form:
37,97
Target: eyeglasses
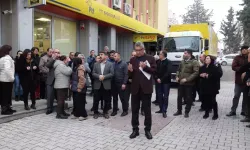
138,50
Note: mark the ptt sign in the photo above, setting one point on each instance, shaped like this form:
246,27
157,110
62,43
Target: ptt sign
145,38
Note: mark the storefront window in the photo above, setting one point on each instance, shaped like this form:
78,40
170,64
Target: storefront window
42,31
64,35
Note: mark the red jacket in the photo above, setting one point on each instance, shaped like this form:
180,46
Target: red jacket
238,62
138,78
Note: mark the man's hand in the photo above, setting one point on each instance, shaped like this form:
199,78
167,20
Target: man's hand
248,83
177,79
202,75
183,80
130,67
143,64
28,68
123,87
101,77
34,67
79,90
159,80
206,75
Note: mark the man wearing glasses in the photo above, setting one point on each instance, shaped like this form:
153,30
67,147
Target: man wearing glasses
141,69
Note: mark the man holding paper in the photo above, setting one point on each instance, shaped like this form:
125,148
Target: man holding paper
141,69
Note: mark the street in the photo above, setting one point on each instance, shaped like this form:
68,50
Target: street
173,133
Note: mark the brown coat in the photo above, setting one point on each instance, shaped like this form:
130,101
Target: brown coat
81,78
138,78
238,62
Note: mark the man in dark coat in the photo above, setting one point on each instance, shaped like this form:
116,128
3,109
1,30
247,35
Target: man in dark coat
141,69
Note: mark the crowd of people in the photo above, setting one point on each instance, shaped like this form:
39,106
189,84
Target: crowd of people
53,76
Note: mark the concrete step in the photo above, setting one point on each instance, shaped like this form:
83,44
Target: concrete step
41,107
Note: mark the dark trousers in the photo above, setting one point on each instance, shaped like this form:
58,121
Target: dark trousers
74,102
185,91
238,89
162,94
247,98
29,88
98,95
50,97
146,103
80,102
209,102
42,89
61,97
5,95
118,91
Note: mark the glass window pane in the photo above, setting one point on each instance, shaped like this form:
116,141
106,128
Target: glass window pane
42,31
64,36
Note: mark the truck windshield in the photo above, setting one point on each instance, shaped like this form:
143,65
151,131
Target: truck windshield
179,44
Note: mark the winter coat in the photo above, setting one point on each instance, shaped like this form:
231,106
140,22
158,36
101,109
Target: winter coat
209,85
163,71
78,80
238,62
62,75
189,70
7,69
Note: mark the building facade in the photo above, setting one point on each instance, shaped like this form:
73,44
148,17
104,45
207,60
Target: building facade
81,25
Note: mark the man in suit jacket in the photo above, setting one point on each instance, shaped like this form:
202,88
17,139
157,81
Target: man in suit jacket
50,80
141,88
103,73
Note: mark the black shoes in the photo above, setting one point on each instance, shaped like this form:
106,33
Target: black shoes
245,120
186,115
178,113
49,112
155,102
106,116
231,114
125,113
206,115
7,112
148,135
61,116
164,115
158,112
26,107
114,113
96,116
33,106
66,114
134,134
243,114
215,117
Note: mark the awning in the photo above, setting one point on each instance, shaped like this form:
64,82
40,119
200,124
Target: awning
103,13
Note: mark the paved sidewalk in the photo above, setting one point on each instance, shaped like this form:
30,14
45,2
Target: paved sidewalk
45,132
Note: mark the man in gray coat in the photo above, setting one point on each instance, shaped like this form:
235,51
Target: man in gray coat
50,80
102,73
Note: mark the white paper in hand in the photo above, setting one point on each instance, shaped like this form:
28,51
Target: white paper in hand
147,75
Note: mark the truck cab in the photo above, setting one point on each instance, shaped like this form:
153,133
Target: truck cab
175,43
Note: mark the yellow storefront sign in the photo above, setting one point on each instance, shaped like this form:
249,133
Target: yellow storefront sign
33,3
101,12
144,38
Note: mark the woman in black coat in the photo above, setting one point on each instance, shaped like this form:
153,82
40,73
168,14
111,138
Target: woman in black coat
28,70
209,78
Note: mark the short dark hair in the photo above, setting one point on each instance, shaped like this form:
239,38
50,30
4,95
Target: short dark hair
5,50
189,52
103,52
25,52
18,51
48,49
70,53
244,47
77,53
92,50
62,58
165,54
34,48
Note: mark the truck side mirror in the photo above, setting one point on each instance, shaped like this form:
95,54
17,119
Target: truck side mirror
206,44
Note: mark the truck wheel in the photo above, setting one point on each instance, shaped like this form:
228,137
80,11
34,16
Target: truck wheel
224,63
